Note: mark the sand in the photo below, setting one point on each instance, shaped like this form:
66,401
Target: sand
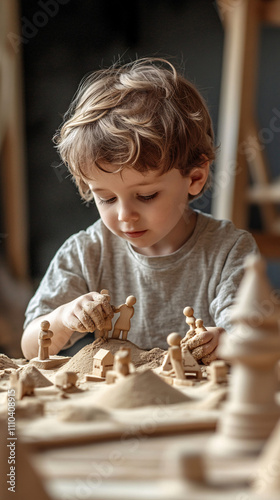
31,373
81,363
6,362
139,389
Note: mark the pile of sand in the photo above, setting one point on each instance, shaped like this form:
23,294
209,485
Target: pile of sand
31,374
82,361
139,389
6,362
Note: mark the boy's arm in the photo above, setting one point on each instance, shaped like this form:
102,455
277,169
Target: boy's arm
83,314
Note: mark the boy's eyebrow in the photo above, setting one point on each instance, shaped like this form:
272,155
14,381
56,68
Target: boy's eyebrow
97,190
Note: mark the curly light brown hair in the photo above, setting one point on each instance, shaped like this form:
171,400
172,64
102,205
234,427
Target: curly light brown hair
143,115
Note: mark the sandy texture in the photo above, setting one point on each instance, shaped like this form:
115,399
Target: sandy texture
139,389
82,361
6,362
30,373
29,408
80,413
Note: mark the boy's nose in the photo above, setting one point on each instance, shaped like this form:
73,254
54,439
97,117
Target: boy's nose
126,214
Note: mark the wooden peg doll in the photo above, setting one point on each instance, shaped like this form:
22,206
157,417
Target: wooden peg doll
190,320
44,340
199,326
123,322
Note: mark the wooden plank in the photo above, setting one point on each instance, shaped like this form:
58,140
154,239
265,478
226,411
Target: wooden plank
149,421
237,118
269,244
238,66
270,12
13,153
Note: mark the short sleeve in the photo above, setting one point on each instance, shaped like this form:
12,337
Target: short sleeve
231,276
65,279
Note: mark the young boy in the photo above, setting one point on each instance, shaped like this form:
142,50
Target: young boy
138,140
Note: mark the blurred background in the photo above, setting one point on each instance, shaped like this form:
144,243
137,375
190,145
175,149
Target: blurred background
47,46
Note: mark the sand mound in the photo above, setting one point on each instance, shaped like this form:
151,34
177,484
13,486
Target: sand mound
6,362
82,361
140,389
80,413
31,373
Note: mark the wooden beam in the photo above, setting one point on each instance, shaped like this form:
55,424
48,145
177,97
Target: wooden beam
269,244
13,151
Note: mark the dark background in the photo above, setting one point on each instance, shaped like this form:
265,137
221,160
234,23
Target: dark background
69,38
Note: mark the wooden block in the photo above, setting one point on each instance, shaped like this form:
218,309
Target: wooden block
52,362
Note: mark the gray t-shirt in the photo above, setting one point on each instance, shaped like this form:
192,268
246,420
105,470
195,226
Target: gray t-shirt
204,273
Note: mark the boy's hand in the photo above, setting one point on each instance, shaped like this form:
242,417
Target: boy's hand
86,313
203,345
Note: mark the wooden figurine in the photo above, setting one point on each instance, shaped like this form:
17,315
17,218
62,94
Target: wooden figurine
44,340
190,320
122,365
66,380
253,348
123,322
174,340
199,326
189,364
22,383
44,361
122,362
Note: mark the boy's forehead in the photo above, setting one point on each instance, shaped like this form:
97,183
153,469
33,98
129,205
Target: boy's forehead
128,176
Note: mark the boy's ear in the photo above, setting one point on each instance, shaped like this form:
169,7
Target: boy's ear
198,178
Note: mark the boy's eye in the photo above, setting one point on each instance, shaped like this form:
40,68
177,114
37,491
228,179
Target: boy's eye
148,197
109,201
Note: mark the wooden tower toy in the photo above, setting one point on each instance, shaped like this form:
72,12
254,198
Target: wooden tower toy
253,348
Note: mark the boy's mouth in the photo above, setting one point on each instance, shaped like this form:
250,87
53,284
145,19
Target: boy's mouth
134,234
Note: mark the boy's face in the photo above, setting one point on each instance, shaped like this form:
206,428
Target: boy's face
148,210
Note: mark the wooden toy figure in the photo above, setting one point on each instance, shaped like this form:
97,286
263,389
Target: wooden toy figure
44,340
190,320
66,380
123,322
122,365
44,360
199,326
108,321
174,340
22,383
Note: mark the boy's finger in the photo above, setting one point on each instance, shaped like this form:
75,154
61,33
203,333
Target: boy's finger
94,311
204,350
75,324
87,322
206,360
107,308
199,339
